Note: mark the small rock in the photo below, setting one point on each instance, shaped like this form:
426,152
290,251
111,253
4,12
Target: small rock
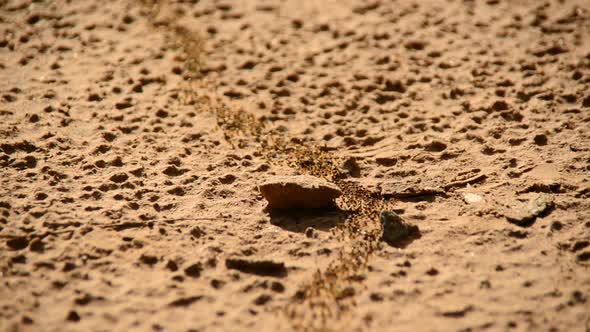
527,214
406,190
311,233
301,191
351,167
395,230
470,198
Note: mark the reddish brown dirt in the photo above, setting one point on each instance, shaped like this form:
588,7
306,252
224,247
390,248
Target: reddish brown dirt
133,135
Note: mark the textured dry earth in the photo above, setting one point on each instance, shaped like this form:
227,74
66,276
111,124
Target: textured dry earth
133,135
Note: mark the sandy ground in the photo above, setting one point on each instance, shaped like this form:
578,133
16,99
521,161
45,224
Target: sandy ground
133,136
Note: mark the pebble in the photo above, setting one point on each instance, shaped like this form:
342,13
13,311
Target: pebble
351,167
311,233
395,231
525,215
407,190
300,191
471,198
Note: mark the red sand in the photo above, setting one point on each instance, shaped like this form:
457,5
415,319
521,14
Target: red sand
121,199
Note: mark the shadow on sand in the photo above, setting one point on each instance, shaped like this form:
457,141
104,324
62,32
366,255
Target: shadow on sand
298,220
403,243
